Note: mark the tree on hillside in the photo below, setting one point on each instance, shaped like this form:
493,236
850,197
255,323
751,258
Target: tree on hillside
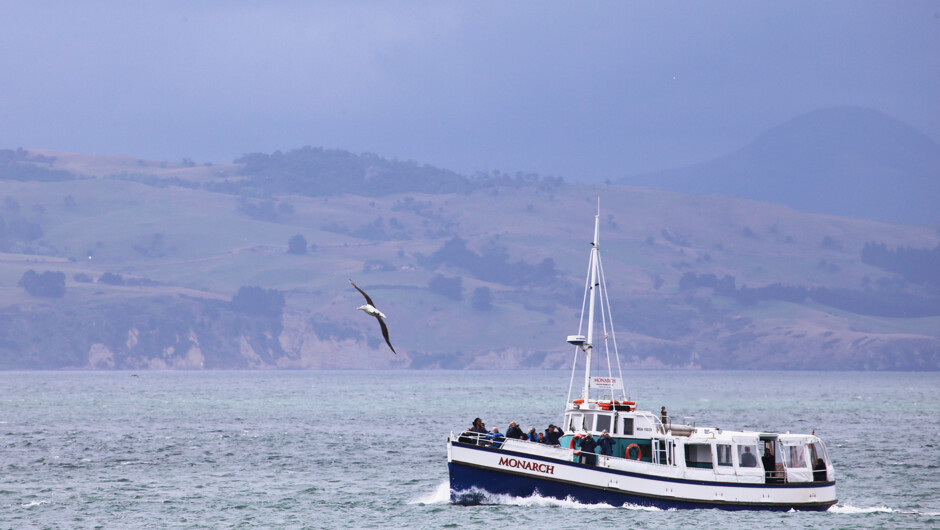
297,245
915,265
265,210
48,284
258,301
491,265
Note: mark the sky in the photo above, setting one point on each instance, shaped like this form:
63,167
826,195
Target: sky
583,90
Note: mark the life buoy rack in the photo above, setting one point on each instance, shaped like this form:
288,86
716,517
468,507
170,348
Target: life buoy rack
571,445
639,452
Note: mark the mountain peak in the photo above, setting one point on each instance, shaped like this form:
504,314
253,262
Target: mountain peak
849,161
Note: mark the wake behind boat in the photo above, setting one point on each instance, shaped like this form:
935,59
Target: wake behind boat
646,459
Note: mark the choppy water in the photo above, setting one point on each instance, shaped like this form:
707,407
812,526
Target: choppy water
366,449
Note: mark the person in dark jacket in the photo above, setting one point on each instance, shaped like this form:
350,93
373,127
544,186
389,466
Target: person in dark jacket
478,426
588,444
553,434
606,444
514,432
541,439
747,458
769,465
478,431
819,470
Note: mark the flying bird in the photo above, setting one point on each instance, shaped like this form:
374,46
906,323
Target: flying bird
369,309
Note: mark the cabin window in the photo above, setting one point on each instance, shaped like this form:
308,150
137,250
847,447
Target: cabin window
794,456
817,450
817,461
724,454
663,451
603,422
748,456
575,423
588,422
698,455
628,426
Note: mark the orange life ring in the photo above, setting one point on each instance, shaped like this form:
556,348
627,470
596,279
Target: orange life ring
571,445
639,452
629,402
604,406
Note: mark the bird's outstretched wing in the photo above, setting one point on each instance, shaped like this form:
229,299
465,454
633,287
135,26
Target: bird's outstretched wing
368,300
385,334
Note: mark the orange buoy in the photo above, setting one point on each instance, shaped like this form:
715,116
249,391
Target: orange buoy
639,452
571,445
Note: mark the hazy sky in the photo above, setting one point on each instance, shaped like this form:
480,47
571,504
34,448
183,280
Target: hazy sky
585,90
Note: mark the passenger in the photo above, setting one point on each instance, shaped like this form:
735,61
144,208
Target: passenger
588,444
466,437
533,434
541,439
768,461
478,430
478,426
747,458
553,434
495,439
819,470
471,435
606,444
514,432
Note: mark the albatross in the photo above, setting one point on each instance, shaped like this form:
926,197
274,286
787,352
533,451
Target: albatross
369,309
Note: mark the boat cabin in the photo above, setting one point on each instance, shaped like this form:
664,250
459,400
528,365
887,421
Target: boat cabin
750,456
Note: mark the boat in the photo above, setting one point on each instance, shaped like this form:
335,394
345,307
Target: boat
647,459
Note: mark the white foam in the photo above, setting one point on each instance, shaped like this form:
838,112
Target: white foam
538,500
439,496
855,510
34,503
541,501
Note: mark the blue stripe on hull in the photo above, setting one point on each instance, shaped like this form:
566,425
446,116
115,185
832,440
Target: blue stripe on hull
469,479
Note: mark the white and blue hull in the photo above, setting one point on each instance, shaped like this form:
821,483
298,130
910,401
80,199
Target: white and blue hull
475,469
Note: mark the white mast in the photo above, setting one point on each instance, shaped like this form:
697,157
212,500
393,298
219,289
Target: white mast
589,347
594,286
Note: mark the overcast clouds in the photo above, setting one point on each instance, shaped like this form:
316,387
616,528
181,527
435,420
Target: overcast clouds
584,90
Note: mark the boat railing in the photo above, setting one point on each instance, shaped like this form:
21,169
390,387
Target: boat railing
488,440
470,437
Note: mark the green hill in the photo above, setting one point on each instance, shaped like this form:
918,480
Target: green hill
473,272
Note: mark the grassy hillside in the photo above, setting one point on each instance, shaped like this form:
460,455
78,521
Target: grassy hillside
182,248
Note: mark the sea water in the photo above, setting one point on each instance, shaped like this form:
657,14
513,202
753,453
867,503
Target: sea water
366,449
